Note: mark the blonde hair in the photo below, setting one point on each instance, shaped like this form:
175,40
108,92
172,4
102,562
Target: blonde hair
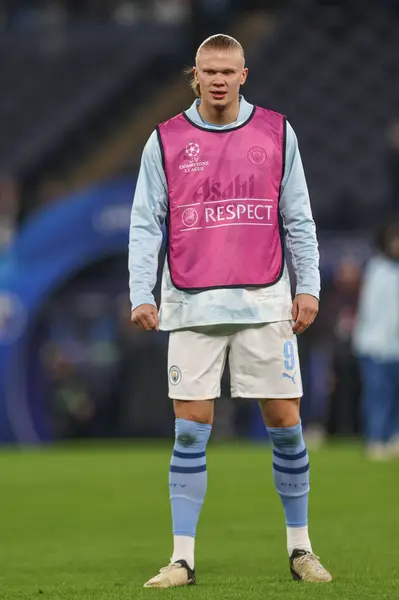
220,41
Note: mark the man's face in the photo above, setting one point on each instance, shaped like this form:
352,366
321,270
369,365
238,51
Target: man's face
220,73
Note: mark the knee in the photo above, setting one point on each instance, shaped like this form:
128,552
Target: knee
280,414
190,433
198,412
283,421
198,417
286,437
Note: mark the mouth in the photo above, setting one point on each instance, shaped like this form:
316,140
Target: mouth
218,95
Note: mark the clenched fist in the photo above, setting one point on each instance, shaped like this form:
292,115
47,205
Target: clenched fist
146,317
304,311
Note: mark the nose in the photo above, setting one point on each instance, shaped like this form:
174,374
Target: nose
218,82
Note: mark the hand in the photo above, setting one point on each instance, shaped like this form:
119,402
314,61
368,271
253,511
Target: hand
146,317
304,311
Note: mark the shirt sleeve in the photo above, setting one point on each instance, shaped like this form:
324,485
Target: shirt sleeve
150,205
299,226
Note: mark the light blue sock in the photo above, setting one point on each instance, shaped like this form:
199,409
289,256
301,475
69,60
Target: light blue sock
291,473
187,475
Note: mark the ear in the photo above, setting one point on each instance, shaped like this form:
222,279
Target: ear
195,74
244,76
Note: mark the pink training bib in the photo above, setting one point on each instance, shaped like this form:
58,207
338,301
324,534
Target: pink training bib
224,188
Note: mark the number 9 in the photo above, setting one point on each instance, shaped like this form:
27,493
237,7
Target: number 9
289,354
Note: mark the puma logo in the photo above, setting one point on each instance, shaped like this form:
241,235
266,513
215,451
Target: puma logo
292,377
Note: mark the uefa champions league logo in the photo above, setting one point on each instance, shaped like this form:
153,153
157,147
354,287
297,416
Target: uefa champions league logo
192,162
192,151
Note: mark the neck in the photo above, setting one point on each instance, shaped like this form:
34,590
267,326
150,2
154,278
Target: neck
219,116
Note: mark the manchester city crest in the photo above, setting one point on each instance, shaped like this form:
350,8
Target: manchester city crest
257,155
174,375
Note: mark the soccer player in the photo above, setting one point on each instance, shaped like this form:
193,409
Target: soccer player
228,179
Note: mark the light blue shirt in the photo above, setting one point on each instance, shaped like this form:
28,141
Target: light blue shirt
221,306
376,334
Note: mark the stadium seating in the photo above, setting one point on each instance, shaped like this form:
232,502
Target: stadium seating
336,79
52,81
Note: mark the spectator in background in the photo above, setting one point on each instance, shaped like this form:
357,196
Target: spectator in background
376,340
344,398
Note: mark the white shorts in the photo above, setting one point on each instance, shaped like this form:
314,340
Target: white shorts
263,361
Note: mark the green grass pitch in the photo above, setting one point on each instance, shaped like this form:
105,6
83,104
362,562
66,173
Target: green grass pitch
86,522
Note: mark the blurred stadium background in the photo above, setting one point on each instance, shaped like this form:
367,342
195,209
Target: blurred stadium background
83,83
